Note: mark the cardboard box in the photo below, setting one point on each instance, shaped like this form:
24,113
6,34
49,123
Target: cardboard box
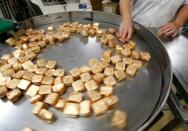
111,7
96,5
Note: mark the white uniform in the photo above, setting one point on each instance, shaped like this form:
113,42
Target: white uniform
155,13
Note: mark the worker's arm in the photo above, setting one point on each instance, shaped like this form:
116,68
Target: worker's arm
171,29
125,29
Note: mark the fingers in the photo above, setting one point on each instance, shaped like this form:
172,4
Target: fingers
170,33
120,30
175,34
164,30
129,34
165,27
168,30
125,34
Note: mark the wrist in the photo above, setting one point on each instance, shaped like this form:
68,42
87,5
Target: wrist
127,20
178,24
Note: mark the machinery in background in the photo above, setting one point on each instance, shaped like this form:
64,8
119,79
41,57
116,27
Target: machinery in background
14,12
55,6
53,2
19,10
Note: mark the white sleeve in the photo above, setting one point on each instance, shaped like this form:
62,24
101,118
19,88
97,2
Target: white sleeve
185,1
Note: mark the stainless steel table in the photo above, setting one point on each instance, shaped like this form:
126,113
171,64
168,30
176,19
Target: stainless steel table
178,52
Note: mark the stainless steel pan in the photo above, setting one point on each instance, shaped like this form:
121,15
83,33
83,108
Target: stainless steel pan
141,97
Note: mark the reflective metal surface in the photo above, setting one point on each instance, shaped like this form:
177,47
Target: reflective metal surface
177,50
141,97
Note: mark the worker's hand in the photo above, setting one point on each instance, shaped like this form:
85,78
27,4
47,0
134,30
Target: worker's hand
125,30
169,30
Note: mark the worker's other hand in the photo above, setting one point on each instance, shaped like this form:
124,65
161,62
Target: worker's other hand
125,30
169,30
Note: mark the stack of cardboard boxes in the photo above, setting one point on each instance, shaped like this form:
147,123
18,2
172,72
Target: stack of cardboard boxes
99,5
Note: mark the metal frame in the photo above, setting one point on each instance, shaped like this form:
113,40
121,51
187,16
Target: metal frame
179,79
180,85
7,9
180,114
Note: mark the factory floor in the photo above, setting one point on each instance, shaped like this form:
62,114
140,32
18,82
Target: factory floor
167,117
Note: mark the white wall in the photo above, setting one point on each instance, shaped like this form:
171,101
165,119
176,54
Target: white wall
58,8
48,9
